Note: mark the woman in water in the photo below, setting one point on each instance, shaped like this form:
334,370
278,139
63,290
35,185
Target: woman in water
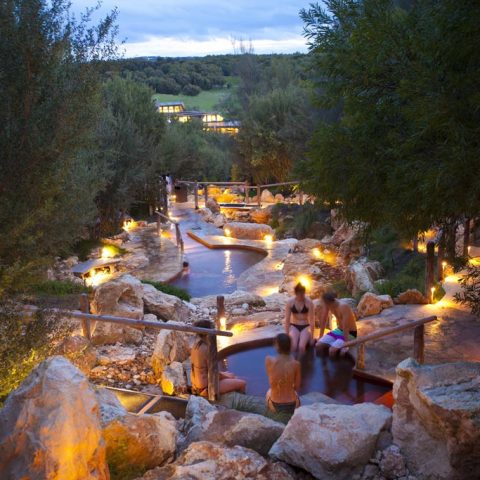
284,377
199,357
300,320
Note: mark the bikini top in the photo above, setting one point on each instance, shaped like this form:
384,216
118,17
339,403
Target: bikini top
303,310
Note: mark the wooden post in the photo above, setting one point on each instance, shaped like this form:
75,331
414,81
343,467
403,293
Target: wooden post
220,311
430,271
213,389
300,198
361,357
206,193
196,195
85,308
159,226
440,256
259,202
415,243
178,236
419,343
466,237
247,194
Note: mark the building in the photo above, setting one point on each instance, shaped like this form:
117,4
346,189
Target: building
212,121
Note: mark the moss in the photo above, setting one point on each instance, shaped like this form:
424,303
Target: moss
170,289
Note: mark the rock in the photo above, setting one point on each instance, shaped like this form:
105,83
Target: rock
411,297
50,427
332,441
163,305
196,415
247,231
371,472
361,274
80,352
392,464
238,297
173,379
150,317
137,443
170,346
279,198
219,220
372,304
316,397
210,461
306,245
116,354
239,311
436,418
267,196
110,406
206,214
232,427
213,206
260,215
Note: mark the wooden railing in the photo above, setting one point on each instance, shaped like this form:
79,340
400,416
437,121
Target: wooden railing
418,327
89,320
178,232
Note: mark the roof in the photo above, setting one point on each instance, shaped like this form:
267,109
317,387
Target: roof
84,267
169,104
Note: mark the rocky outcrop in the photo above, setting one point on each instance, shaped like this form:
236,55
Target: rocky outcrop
116,354
267,196
261,215
163,305
436,418
139,443
371,304
238,297
213,206
206,215
50,427
411,297
231,427
210,461
219,220
361,275
170,346
332,441
247,231
110,406
173,379
80,352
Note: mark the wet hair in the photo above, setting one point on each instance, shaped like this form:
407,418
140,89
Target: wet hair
329,297
283,343
299,288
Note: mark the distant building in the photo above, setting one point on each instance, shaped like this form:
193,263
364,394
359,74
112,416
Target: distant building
213,121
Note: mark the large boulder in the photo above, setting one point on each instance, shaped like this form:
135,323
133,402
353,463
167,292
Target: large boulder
332,441
261,215
219,220
210,461
361,275
170,346
163,305
267,196
247,231
411,297
138,443
372,304
110,406
206,215
436,418
80,352
212,205
238,297
50,427
232,427
173,379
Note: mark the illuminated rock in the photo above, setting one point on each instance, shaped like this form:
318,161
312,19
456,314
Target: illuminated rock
110,406
371,304
50,427
213,206
163,305
173,380
411,297
210,461
261,215
361,275
238,297
247,231
267,196
80,352
137,443
332,441
436,418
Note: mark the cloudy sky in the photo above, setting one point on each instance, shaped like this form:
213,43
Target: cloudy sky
201,27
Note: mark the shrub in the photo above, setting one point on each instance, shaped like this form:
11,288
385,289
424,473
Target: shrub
170,289
470,294
58,288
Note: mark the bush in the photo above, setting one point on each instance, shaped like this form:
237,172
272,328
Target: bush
83,248
58,288
191,90
470,294
170,289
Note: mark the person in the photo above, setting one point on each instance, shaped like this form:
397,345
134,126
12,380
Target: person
300,319
284,378
228,382
346,324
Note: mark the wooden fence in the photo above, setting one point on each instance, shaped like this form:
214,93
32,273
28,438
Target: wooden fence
178,233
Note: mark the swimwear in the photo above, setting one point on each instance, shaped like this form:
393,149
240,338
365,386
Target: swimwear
299,327
286,408
303,310
336,338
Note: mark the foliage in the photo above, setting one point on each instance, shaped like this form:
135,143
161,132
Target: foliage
49,173
58,288
470,294
170,289
398,85
25,343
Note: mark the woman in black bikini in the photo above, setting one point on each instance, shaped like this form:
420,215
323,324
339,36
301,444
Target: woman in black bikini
300,320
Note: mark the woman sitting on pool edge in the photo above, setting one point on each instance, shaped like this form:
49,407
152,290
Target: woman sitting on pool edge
284,378
300,319
199,358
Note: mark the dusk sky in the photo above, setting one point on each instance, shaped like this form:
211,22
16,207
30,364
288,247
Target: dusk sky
202,27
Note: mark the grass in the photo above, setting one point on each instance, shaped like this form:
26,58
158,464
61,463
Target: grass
170,289
58,288
206,100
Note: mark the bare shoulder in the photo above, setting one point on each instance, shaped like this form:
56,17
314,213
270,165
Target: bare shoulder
309,301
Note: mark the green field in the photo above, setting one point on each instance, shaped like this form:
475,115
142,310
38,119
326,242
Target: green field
207,100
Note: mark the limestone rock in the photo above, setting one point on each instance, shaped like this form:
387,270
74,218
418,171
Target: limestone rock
140,442
371,304
306,245
267,196
361,275
170,346
219,220
247,231
411,297
213,206
116,354
80,352
163,305
236,298
279,198
436,417
392,464
173,379
196,414
206,214
260,215
50,427
210,461
332,441
316,397
109,333
110,406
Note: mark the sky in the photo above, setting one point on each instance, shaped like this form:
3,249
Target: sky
182,28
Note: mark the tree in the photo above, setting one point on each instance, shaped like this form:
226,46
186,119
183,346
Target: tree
49,84
403,77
